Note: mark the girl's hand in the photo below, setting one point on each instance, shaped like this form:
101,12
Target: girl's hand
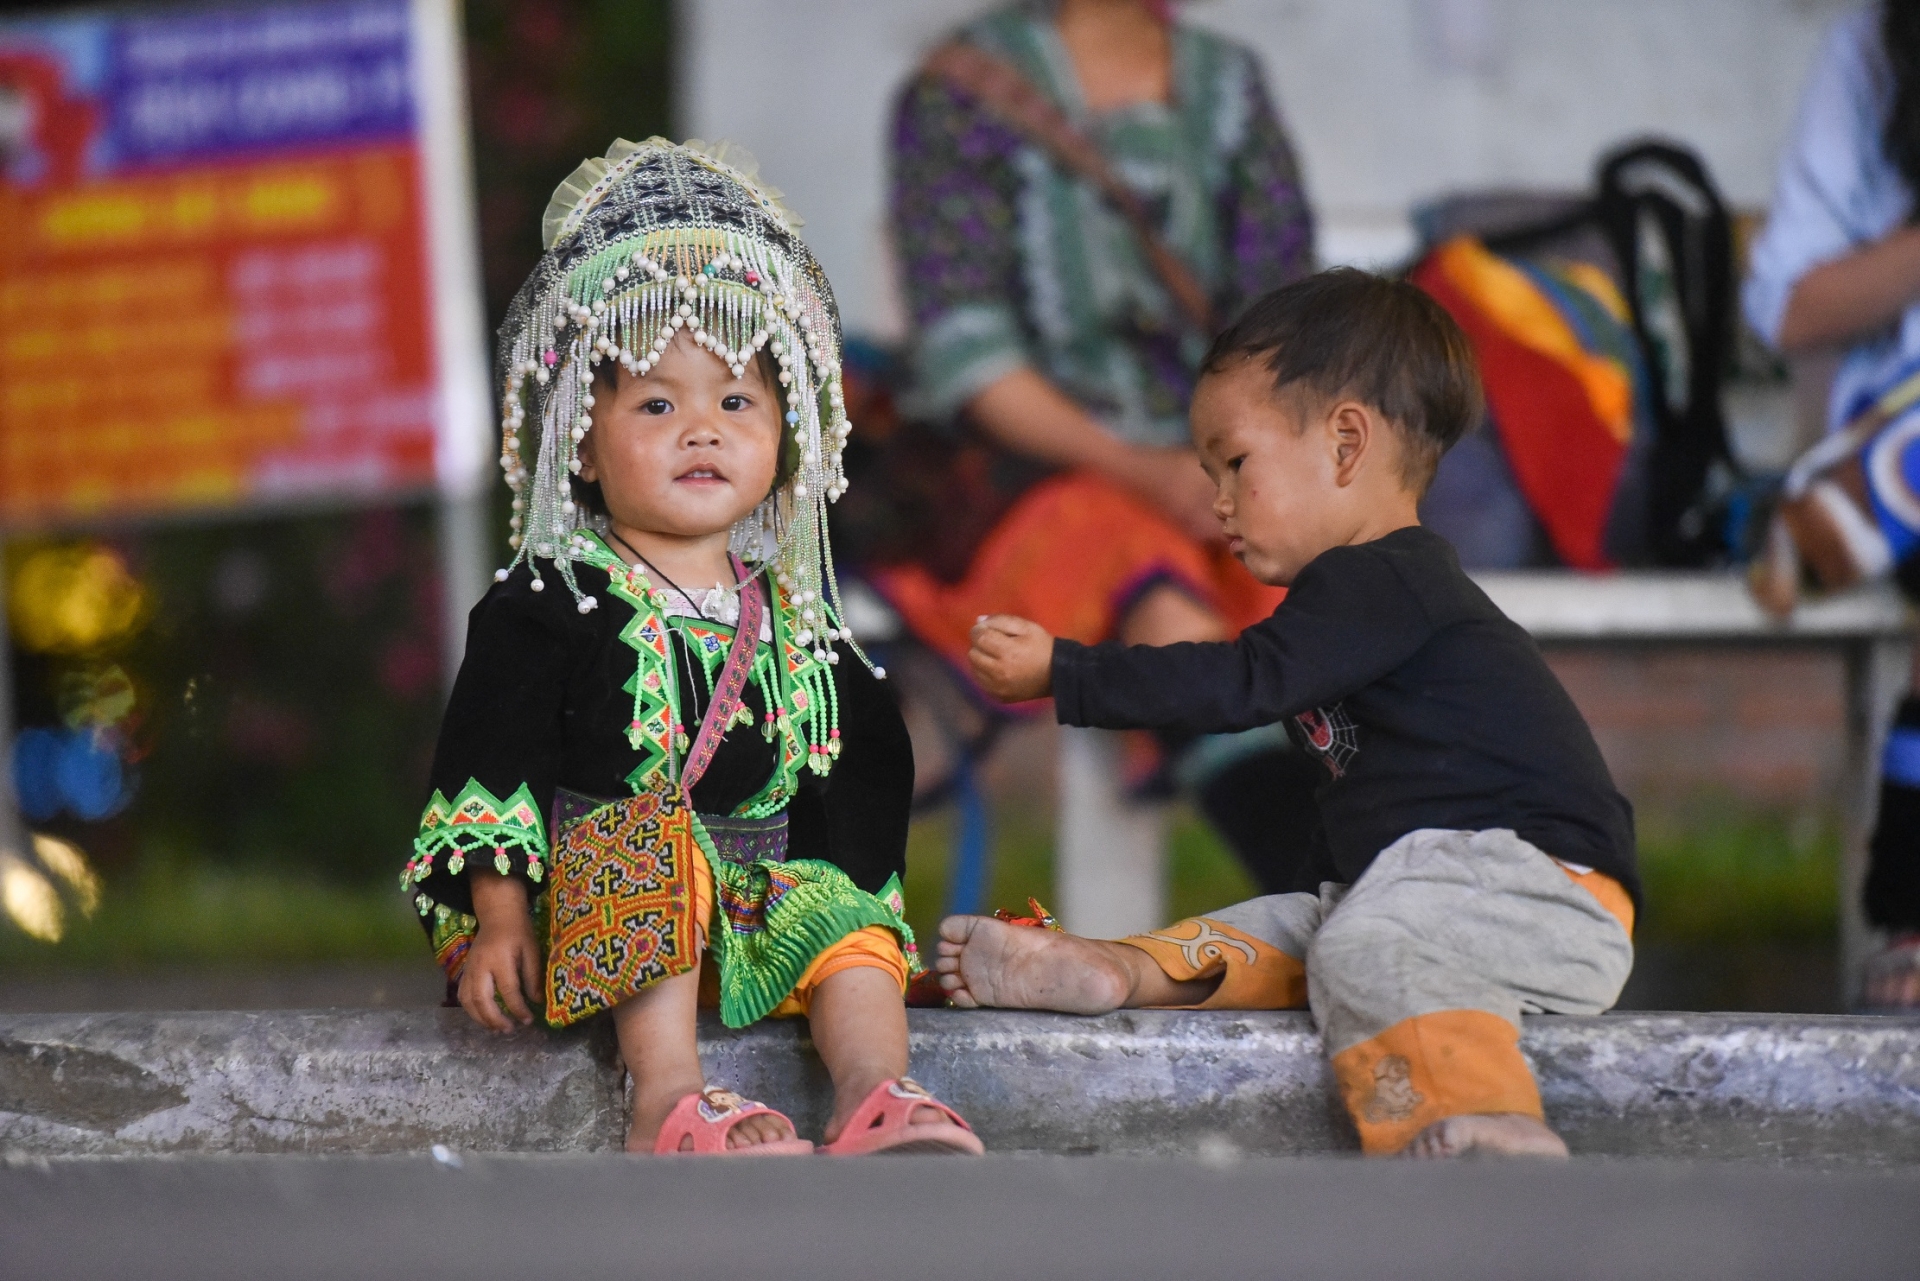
503,964
1012,658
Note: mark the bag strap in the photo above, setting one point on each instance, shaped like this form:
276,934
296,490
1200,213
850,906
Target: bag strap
1017,102
730,685
1666,189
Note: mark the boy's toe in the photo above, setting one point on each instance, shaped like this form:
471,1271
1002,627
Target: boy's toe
1496,1134
956,930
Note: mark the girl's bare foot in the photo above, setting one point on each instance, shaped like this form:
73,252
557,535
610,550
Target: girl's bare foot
650,1109
1486,1134
987,962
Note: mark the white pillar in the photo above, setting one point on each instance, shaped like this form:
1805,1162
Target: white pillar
1109,851
466,441
465,573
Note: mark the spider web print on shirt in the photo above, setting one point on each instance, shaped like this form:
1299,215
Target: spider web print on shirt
1330,734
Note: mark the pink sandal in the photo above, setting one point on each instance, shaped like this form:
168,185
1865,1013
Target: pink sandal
884,1123
709,1117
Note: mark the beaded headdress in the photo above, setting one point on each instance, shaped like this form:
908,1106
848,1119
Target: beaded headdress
652,239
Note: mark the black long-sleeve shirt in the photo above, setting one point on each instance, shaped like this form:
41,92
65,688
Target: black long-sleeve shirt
1429,707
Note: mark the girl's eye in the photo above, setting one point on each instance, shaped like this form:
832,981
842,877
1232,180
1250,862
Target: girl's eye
657,406
735,403
1233,464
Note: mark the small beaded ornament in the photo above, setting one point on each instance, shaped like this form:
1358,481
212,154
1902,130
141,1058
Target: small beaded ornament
650,240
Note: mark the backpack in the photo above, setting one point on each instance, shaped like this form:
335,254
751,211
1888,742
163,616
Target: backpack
1657,228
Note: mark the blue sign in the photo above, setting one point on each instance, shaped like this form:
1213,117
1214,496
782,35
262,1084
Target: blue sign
233,81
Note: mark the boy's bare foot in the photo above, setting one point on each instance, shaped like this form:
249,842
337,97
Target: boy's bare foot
1486,1134
650,1111
987,962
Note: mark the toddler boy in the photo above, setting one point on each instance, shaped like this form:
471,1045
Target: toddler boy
1477,861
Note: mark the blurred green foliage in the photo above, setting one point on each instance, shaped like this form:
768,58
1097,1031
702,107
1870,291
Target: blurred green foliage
190,913
1723,873
1729,884
285,689
1715,873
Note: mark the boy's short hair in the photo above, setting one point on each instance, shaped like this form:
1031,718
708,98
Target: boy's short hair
1385,342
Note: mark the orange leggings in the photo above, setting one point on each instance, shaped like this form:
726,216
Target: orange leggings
874,945
1423,1023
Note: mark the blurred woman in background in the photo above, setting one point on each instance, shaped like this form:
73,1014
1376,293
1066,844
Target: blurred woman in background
1837,270
1083,191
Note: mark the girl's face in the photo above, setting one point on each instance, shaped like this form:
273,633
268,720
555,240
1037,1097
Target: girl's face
688,449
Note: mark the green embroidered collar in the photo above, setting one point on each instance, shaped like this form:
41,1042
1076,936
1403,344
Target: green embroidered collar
803,708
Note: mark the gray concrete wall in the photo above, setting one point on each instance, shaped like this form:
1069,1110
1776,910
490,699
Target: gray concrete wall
1825,1090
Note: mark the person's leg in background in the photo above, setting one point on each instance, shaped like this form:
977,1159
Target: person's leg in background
1806,534
1419,974
1892,891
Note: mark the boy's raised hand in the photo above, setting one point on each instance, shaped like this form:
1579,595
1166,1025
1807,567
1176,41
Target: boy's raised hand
503,964
1012,658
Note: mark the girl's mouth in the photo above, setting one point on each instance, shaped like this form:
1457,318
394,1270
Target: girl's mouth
702,476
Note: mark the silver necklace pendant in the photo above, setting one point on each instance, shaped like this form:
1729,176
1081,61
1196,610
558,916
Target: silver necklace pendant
722,605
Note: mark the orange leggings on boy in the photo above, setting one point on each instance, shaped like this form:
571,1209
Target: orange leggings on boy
1418,973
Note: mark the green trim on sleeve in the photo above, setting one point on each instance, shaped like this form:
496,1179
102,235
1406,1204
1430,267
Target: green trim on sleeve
476,821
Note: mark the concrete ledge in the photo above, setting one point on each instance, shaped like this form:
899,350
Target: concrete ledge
515,1217
1767,1087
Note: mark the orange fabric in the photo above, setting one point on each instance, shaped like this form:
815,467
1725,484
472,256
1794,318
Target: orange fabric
1254,975
1566,454
1429,1067
1612,895
702,895
1072,554
1609,892
874,945
1509,298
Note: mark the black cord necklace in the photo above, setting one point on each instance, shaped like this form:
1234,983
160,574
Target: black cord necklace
682,655
698,612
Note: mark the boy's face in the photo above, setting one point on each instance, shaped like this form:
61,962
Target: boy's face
1293,481
687,449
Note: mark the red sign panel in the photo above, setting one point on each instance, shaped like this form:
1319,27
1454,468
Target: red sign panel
214,279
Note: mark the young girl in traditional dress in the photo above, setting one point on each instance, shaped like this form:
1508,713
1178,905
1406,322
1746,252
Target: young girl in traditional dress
655,749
